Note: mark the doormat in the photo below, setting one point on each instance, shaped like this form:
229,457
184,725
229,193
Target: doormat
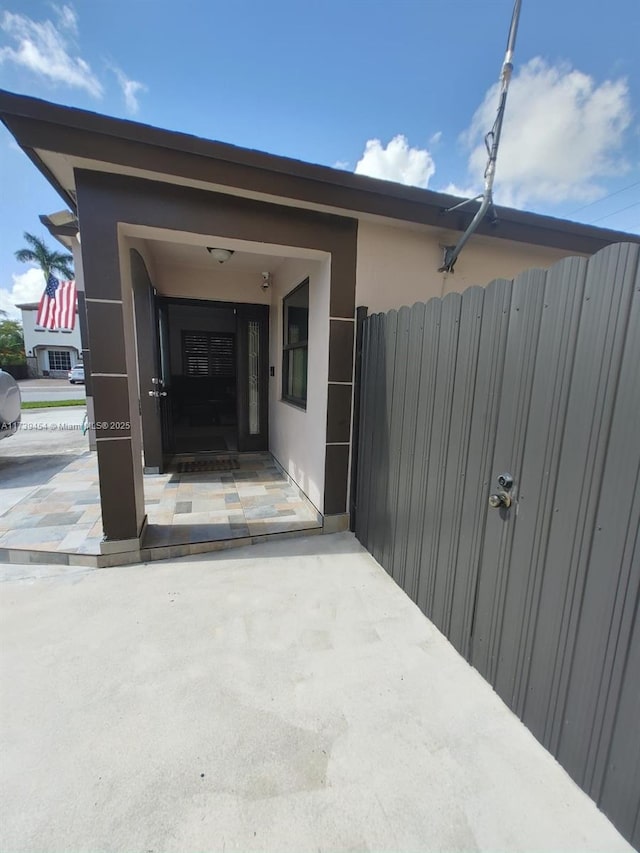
197,466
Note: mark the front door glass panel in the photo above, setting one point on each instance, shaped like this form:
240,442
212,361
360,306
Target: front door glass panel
253,332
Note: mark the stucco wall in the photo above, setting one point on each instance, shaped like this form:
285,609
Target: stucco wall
399,266
296,437
144,250
211,283
48,338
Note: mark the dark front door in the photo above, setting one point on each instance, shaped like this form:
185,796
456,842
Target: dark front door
252,324
212,382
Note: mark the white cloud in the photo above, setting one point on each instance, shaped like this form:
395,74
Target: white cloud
27,287
43,48
67,18
397,162
435,138
130,90
341,164
561,134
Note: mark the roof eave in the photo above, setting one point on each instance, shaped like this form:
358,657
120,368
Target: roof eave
64,233
353,194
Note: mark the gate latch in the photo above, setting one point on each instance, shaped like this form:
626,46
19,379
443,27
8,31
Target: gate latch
505,481
502,496
500,499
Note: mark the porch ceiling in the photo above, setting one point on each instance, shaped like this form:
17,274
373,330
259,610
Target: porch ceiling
191,256
183,268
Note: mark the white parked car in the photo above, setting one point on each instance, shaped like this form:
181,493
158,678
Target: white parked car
10,403
76,374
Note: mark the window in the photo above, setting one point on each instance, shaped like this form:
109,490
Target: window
295,345
59,360
208,354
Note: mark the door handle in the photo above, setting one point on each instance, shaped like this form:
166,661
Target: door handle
157,393
500,499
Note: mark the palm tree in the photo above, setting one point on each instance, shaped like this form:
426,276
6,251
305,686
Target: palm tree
49,261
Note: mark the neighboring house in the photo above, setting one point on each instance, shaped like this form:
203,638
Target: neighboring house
257,340
50,353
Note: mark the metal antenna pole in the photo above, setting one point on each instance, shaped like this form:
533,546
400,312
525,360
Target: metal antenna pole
492,142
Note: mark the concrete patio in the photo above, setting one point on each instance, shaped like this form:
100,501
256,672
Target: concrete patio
283,697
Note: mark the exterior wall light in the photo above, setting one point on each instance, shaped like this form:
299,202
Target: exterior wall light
221,255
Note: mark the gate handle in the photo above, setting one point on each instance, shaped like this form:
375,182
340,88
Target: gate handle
500,499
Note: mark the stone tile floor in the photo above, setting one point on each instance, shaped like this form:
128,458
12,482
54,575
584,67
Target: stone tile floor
62,515
255,499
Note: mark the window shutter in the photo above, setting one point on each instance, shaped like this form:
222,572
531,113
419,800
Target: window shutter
222,360
196,354
208,354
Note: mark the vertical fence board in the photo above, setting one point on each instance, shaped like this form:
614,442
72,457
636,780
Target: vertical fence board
424,431
376,422
440,429
457,449
616,521
615,772
524,324
536,480
597,358
367,420
398,398
619,799
361,315
482,431
382,530
408,459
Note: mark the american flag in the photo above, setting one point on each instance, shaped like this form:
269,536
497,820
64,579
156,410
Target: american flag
57,309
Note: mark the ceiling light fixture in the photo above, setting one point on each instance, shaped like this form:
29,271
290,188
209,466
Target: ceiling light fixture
221,255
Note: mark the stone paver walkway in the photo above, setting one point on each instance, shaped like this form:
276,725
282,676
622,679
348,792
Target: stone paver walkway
255,499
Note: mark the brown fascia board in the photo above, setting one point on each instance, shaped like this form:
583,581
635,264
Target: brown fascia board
63,232
67,130
63,224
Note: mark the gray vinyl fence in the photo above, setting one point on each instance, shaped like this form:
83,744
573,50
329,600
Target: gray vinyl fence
538,378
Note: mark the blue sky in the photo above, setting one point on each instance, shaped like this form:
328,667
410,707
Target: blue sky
401,90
